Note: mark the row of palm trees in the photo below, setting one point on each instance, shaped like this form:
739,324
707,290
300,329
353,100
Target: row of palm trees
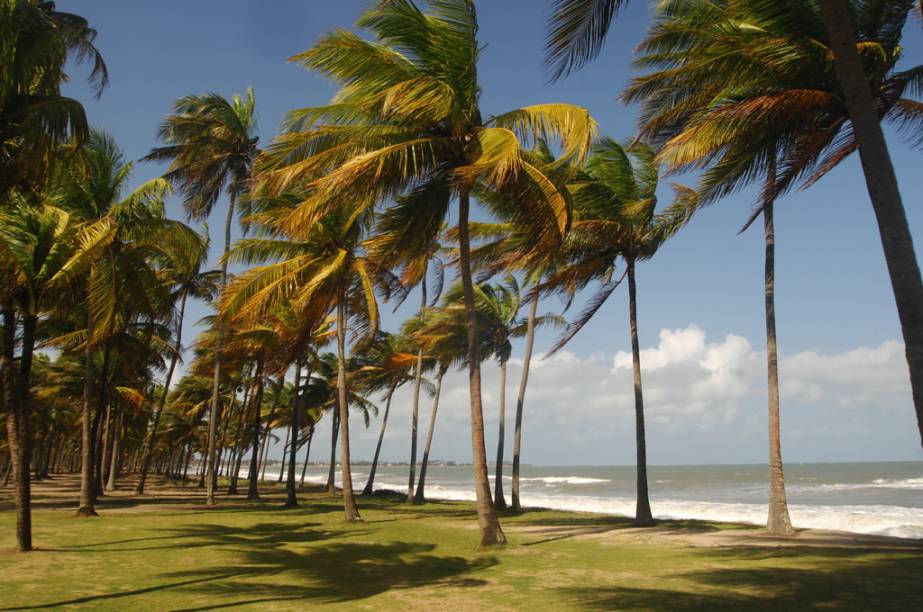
350,205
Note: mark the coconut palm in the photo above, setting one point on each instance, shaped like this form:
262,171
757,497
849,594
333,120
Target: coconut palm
512,245
616,218
842,52
42,249
445,350
801,131
415,266
385,364
498,322
35,119
406,121
124,281
187,280
211,145
842,20
321,267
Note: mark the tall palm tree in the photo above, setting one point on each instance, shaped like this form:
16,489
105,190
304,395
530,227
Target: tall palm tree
124,281
616,218
839,17
446,350
385,364
406,120
211,146
415,268
513,246
699,103
42,249
498,322
187,280
853,40
321,267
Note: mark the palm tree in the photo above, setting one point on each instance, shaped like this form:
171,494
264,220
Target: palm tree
616,218
124,281
319,267
35,119
498,321
211,146
406,121
188,280
880,178
513,246
700,104
384,365
415,268
852,40
42,249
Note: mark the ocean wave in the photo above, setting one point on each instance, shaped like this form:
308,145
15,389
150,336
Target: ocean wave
894,521
878,483
898,521
553,480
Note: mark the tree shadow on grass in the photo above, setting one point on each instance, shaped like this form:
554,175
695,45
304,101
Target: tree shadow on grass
340,572
109,597
789,578
277,564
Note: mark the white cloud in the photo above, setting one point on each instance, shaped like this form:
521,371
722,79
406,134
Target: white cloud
705,401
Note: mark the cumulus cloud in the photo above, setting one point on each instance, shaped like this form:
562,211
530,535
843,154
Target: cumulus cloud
705,401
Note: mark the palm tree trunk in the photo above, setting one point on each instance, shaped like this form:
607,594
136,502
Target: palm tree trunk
105,448
252,490
369,486
643,509
152,437
499,500
211,478
520,401
490,530
883,190
335,426
114,460
17,404
415,413
241,445
779,522
87,496
307,455
292,498
285,454
349,500
420,496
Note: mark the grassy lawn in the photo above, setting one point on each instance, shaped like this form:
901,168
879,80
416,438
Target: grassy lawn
173,554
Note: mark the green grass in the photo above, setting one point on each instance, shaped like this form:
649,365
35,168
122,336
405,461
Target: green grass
181,556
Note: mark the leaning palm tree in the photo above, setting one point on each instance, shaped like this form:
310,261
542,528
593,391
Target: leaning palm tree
321,267
415,268
406,121
385,364
211,145
854,40
700,103
616,218
445,342
498,322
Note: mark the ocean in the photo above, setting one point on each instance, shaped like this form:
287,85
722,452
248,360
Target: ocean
871,498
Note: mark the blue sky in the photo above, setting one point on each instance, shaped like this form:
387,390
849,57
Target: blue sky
845,393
